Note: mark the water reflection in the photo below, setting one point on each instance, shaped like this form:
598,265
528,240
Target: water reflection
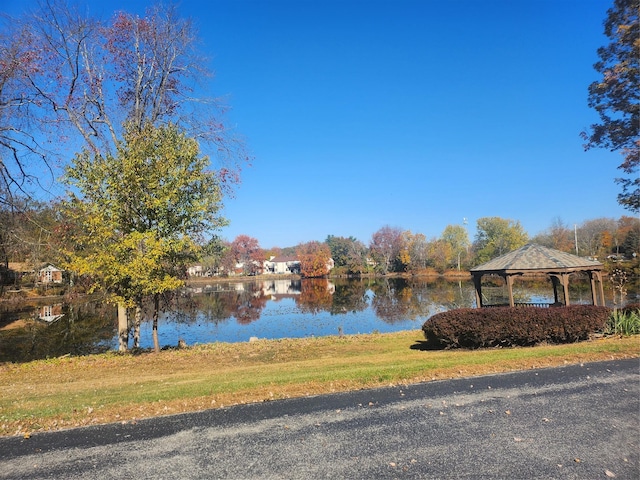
53,330
237,311
50,313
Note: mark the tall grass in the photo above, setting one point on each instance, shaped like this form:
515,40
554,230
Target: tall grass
623,322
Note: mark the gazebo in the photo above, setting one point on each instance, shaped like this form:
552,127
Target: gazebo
535,259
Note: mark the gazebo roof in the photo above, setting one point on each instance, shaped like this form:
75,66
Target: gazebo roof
536,258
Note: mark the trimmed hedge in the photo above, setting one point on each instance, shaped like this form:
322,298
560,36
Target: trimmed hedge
507,327
631,308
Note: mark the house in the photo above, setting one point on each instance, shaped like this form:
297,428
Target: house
282,265
195,271
49,274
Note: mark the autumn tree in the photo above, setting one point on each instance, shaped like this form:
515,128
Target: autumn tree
629,235
20,146
246,251
558,236
213,253
496,236
457,238
616,97
414,255
385,246
141,213
71,80
440,254
596,237
347,253
315,259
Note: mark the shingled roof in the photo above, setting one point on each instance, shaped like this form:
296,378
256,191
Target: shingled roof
534,257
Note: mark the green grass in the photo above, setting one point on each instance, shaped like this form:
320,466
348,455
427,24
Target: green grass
75,391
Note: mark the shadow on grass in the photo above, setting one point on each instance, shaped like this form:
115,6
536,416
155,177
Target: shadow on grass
426,345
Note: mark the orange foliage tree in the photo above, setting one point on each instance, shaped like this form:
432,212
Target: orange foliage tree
315,259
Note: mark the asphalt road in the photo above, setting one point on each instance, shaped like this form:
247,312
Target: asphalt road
575,422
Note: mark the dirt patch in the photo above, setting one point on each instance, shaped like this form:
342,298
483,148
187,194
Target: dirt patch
20,323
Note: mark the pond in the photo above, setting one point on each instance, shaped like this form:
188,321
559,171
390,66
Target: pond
266,309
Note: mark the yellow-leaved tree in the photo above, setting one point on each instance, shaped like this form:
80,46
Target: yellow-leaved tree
139,217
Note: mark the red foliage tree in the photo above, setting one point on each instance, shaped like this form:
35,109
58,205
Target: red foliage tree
246,251
315,258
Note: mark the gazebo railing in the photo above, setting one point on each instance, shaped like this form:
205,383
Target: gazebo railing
521,304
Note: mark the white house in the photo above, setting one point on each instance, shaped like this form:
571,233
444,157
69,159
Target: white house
50,274
195,271
282,265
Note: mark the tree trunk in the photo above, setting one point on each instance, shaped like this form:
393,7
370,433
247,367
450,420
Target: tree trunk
123,328
156,308
136,325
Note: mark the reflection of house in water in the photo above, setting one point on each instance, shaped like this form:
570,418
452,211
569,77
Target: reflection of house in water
51,313
284,288
289,288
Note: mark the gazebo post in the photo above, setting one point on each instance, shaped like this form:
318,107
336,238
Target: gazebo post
555,281
477,282
594,276
509,279
564,278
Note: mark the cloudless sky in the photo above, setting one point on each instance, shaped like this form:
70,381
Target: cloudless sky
413,114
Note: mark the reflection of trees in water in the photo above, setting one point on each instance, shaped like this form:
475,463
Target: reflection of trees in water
242,301
349,296
408,299
315,295
390,299
82,329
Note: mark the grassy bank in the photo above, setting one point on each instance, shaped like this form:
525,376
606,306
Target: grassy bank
69,392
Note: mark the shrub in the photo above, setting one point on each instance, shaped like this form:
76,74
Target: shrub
506,326
631,308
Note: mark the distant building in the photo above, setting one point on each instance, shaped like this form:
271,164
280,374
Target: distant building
282,265
195,271
49,274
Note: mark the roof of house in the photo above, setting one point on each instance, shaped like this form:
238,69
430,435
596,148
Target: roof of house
534,257
50,266
284,259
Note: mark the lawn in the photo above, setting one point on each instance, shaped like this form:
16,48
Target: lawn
75,391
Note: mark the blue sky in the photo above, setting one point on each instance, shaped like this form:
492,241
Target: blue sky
413,114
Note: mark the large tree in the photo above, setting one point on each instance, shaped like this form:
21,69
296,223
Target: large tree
347,253
385,247
616,96
141,215
457,238
315,259
415,252
246,251
496,236
597,237
558,236
70,81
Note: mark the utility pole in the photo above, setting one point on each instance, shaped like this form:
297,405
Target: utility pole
575,234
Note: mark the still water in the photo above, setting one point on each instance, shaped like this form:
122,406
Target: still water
269,309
